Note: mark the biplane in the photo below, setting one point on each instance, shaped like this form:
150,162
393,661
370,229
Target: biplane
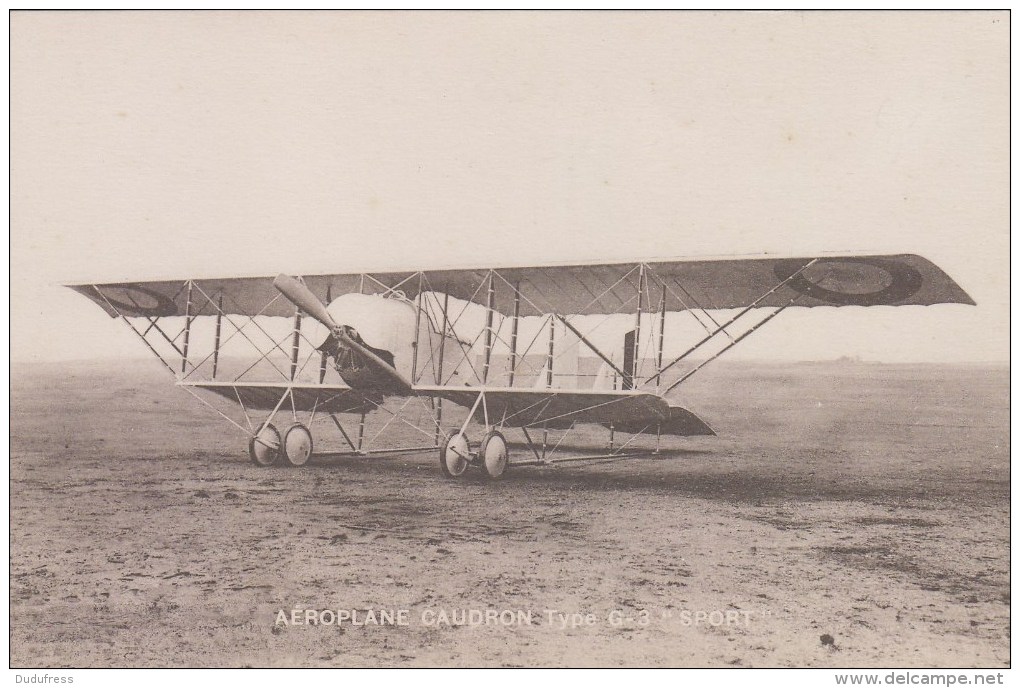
529,350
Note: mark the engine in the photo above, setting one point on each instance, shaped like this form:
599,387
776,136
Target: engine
384,325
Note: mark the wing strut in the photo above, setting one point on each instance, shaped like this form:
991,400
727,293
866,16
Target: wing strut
730,345
722,328
594,349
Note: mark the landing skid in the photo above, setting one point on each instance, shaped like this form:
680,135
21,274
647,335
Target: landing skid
591,457
375,452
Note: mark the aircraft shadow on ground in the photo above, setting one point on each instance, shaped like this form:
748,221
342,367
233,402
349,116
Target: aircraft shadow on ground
666,472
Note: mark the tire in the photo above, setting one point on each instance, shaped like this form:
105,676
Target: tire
454,456
494,455
264,446
297,445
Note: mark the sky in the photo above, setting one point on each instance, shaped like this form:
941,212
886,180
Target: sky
187,144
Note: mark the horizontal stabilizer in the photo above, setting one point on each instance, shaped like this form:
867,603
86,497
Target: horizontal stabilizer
681,423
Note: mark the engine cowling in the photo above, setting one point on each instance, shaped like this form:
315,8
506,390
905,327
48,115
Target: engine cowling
383,325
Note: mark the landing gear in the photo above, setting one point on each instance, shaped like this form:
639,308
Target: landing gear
494,455
264,447
455,455
267,446
297,445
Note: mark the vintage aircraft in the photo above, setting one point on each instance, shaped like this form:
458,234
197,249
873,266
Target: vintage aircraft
386,338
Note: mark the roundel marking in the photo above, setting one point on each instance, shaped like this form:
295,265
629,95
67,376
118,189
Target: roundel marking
852,281
152,302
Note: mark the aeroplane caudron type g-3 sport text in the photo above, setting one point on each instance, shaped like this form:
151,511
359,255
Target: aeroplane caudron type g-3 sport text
517,347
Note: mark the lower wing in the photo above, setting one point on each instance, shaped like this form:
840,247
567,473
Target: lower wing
630,412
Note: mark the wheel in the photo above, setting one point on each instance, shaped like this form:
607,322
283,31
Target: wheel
494,454
297,445
264,447
455,455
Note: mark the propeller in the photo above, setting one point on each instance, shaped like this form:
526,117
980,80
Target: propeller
302,297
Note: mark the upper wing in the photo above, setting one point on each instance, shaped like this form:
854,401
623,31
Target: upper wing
894,280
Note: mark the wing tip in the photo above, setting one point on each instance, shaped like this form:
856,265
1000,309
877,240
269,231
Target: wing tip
90,292
684,423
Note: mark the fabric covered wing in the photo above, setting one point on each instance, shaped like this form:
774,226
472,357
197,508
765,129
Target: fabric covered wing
893,280
900,280
632,412
266,396
681,422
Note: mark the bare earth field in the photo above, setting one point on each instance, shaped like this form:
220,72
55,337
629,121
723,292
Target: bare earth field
847,515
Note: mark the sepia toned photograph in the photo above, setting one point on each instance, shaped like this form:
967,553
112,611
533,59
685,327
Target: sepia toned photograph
362,339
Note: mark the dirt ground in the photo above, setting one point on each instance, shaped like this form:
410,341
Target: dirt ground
847,515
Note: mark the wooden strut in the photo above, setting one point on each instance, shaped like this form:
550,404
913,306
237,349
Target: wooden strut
343,432
272,415
584,340
587,457
439,372
134,329
323,357
531,445
513,332
295,344
216,340
635,363
187,330
662,340
722,328
549,379
376,452
490,305
549,358
542,458
471,414
417,330
730,345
